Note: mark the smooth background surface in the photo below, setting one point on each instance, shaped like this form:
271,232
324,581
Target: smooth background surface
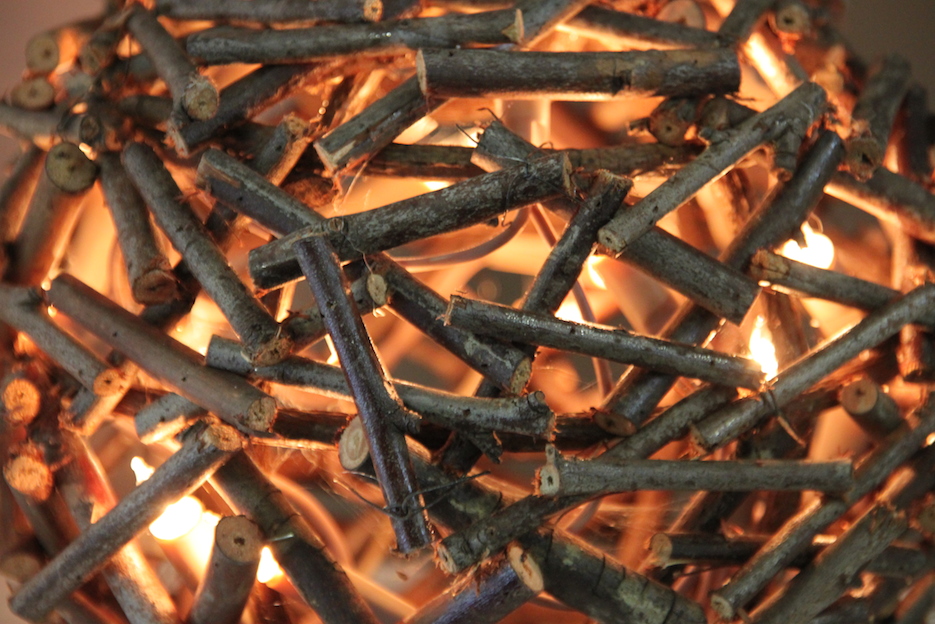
873,26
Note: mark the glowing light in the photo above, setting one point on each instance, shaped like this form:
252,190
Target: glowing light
141,469
569,311
436,185
332,354
818,250
930,440
268,570
593,273
179,518
762,349
770,65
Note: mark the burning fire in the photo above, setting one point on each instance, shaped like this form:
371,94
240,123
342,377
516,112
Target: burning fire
818,250
762,349
268,570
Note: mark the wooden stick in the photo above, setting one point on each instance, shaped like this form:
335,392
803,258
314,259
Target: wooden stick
273,11
742,19
631,31
381,412
795,112
21,392
369,291
797,533
613,344
576,75
249,192
192,93
915,147
436,162
261,334
227,396
226,44
873,409
165,417
320,580
671,424
874,115
502,587
53,213
89,495
728,423
821,283
48,50
34,94
527,415
568,477
458,206
149,271
17,190
891,197
28,473
502,363
246,97
202,453
638,392
374,128
282,151
540,17
22,309
671,549
34,126
696,275
791,19
231,572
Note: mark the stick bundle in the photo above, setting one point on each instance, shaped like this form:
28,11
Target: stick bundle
355,269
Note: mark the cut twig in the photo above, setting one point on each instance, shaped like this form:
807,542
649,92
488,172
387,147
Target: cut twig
614,344
821,283
17,190
502,363
632,31
192,93
226,44
231,572
149,271
381,412
874,114
273,11
891,197
53,213
34,94
874,410
569,477
741,21
262,335
202,453
576,75
457,206
374,128
165,417
227,396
